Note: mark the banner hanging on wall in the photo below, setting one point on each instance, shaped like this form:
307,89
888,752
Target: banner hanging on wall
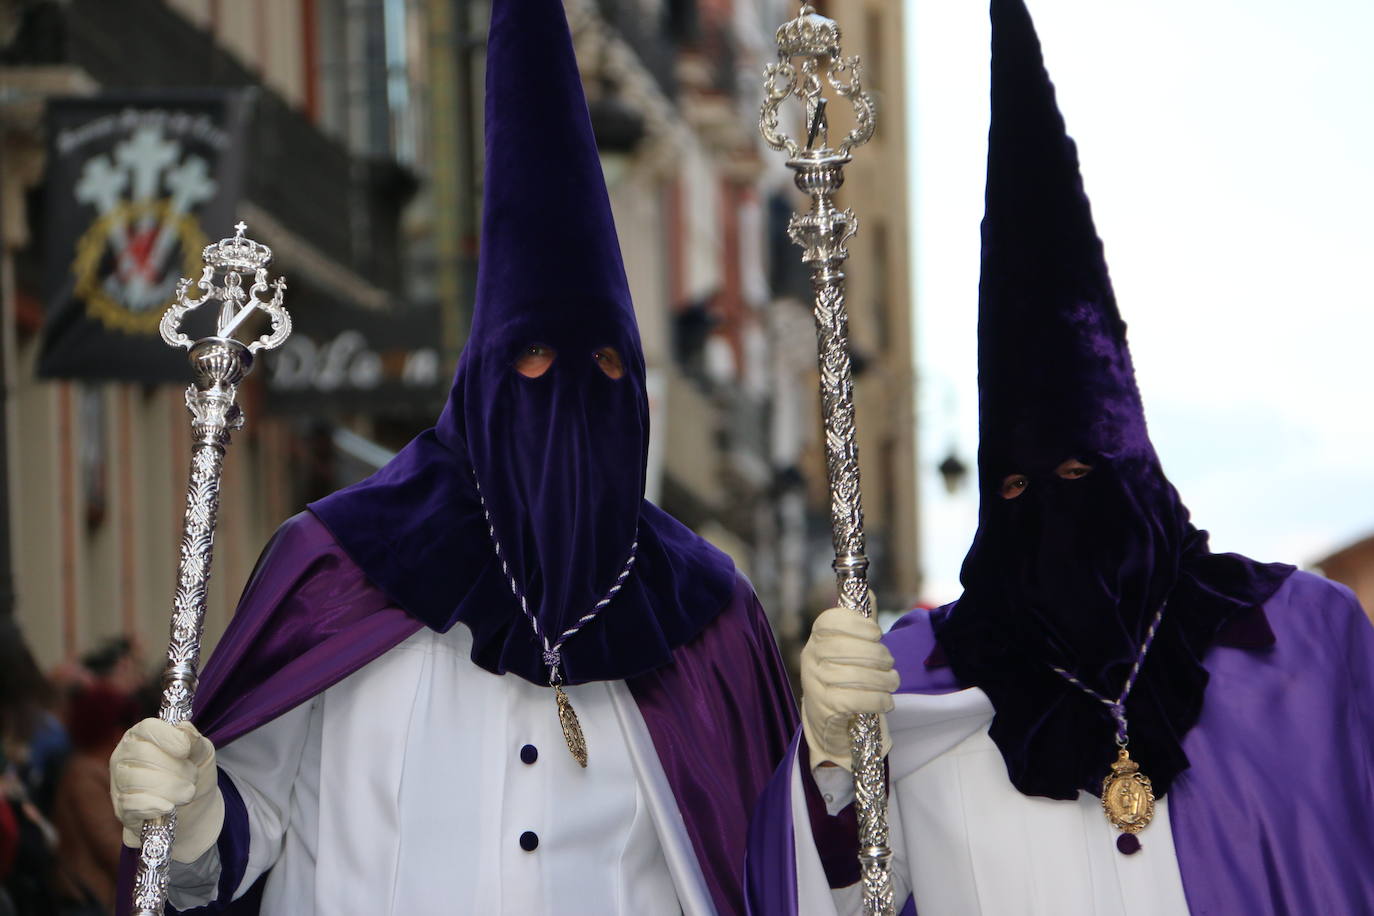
137,185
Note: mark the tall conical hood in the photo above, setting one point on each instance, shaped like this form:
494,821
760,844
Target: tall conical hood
1081,538
1054,372
543,444
549,251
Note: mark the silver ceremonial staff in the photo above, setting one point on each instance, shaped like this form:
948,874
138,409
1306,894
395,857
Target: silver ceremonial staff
808,59
220,363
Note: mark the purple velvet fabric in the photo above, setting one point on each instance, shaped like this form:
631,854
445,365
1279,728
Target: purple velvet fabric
561,458
1272,815
1070,571
233,851
719,713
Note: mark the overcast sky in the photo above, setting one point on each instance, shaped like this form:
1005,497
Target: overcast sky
1228,150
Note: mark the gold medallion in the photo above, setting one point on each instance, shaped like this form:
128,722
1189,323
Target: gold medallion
577,742
1127,796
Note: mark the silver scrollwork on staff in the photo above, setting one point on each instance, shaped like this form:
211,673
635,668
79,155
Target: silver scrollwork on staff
809,60
219,363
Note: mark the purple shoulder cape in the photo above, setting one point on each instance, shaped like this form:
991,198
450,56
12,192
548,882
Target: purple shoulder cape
1272,815
720,714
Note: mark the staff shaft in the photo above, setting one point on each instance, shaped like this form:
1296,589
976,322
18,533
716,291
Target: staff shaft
825,232
220,364
808,62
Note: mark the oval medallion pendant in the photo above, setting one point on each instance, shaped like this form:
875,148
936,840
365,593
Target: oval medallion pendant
1127,796
572,729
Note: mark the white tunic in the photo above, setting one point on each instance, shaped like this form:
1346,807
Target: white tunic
402,789
967,843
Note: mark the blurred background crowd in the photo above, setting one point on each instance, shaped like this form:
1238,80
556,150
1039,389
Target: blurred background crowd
59,841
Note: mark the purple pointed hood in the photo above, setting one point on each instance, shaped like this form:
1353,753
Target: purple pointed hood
1068,567
558,459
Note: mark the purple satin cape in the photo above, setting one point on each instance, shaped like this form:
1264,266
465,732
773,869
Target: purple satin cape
1272,816
720,713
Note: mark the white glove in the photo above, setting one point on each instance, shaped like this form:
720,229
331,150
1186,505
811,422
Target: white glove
845,670
157,767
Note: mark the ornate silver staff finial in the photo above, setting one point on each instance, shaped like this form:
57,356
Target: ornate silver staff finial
815,41
808,61
220,363
232,258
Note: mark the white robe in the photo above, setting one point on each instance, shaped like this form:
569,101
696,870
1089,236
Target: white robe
402,790
968,844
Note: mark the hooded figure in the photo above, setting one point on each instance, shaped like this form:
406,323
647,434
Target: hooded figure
492,677
1094,617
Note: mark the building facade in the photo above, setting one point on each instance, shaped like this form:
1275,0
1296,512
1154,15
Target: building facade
725,304
1353,566
363,172
97,466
